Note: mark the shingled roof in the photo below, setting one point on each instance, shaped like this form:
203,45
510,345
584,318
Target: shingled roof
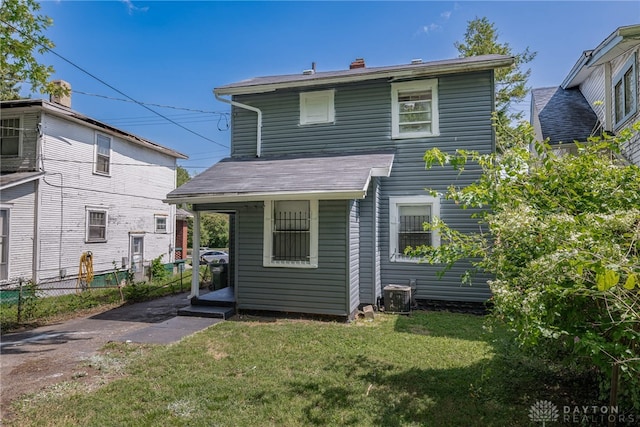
564,114
323,176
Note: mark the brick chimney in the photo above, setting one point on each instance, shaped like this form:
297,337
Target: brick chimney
358,63
64,100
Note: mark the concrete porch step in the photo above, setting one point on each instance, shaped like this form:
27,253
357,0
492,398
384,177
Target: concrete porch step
207,311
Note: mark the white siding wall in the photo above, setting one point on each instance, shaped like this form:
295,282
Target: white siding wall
132,195
20,202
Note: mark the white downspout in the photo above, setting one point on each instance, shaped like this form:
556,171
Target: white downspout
247,107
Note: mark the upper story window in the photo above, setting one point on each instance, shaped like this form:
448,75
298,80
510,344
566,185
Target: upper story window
160,223
625,86
414,109
10,137
317,107
291,233
96,225
103,155
407,216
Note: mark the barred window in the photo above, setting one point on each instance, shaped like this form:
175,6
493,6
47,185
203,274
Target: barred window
407,219
291,239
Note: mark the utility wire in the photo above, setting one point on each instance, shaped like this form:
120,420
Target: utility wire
110,86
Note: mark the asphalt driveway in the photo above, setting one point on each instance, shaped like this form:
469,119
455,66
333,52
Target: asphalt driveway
54,353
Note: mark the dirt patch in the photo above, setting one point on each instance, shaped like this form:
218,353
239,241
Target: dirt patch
65,351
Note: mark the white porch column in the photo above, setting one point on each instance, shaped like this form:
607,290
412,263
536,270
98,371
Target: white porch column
195,256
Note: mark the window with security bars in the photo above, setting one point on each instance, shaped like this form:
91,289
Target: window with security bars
411,230
96,226
103,154
291,236
10,137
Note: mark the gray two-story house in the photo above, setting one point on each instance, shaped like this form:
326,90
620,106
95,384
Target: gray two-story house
326,183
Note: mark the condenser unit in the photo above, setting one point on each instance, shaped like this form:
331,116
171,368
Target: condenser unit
397,299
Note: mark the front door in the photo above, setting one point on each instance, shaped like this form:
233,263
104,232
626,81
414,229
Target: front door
136,252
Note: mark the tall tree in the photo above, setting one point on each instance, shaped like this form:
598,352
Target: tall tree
22,37
481,38
182,176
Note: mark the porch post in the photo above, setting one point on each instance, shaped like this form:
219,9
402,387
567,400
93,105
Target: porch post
195,256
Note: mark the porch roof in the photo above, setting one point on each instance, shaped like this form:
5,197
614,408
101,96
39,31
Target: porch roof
323,176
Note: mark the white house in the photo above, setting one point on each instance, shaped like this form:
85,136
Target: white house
71,185
600,93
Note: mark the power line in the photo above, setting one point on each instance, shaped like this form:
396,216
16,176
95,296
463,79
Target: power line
111,87
147,103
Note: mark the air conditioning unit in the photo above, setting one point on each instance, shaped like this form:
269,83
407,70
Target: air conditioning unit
397,299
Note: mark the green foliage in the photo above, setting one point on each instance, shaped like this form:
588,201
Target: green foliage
562,243
182,176
481,38
21,38
158,272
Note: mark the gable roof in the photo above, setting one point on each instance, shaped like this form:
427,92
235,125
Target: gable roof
67,113
564,114
618,42
413,70
323,176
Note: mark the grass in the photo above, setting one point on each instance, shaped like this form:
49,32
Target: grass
427,369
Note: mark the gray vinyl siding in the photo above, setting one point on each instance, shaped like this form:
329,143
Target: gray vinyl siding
27,162
322,290
363,122
354,256
465,105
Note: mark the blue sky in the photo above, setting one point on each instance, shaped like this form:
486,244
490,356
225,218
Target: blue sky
172,54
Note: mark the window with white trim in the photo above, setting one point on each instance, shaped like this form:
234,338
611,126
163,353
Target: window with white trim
96,225
103,154
291,233
4,244
10,137
625,86
414,109
317,107
407,216
160,223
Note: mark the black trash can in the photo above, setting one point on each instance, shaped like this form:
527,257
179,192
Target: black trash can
219,275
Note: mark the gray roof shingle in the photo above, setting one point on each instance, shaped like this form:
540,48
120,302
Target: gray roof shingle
564,114
325,175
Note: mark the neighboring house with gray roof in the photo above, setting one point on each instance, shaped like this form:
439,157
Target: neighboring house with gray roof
69,185
600,94
325,186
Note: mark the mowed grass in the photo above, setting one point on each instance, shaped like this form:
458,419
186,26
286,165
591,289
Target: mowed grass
427,369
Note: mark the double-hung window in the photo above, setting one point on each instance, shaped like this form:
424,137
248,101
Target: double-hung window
103,155
10,137
160,223
414,109
625,103
291,233
317,107
96,225
407,219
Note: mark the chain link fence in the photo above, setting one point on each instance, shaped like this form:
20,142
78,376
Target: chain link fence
25,304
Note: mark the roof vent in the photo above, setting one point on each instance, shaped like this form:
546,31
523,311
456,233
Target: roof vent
358,63
416,61
309,72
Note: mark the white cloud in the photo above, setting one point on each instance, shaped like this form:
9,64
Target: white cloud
446,15
133,8
430,28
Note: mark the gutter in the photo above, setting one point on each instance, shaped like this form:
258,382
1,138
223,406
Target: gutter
250,108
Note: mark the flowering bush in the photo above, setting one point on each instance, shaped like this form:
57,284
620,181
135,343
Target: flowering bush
562,242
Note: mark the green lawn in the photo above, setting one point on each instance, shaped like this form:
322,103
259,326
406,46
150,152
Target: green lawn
427,369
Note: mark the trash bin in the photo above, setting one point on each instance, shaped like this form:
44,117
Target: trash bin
218,275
